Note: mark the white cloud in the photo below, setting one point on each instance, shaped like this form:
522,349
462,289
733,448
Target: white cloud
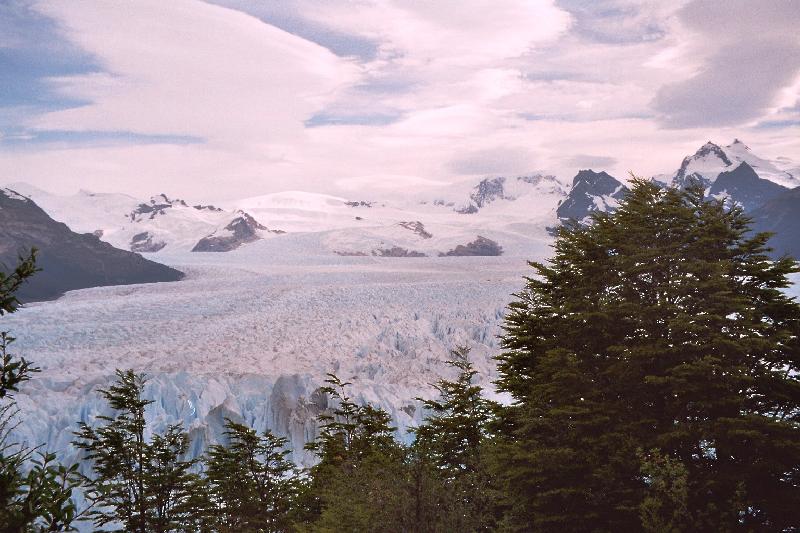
185,67
456,88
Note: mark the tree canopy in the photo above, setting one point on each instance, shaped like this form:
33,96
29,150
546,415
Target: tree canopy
656,342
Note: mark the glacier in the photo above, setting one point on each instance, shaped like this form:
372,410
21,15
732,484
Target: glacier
251,335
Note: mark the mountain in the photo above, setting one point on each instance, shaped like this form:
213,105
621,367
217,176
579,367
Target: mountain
241,230
711,160
591,191
145,226
492,189
68,260
745,187
781,216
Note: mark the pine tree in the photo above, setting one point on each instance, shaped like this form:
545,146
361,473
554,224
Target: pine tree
453,436
253,485
660,327
143,484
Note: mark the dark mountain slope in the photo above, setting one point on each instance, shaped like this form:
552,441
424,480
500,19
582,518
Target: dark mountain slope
745,187
591,191
68,260
781,215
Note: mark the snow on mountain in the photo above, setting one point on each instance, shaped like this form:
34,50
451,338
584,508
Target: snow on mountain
711,160
538,194
591,191
140,226
766,169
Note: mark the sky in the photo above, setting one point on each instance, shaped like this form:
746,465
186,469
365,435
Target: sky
223,99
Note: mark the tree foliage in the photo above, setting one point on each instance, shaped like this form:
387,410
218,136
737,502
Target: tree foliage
142,484
252,483
453,438
35,490
660,327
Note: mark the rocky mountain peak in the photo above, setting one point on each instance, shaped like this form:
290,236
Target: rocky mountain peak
14,195
591,191
740,144
710,148
241,230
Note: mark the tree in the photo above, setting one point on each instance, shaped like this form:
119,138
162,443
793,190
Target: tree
661,327
13,371
358,484
253,485
144,485
453,437
35,490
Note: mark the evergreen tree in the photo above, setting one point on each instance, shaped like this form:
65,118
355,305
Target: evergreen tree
662,327
142,484
357,486
35,490
253,485
453,437
13,371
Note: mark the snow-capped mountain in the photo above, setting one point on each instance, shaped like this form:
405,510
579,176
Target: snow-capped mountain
160,223
743,186
591,191
711,160
537,187
68,260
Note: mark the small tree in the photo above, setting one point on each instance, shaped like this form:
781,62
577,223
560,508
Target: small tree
144,485
252,484
13,371
453,438
358,484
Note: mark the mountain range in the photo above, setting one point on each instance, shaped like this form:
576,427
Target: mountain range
510,215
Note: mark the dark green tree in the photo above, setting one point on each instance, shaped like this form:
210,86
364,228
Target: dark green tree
454,437
661,327
13,371
35,490
252,483
142,484
358,483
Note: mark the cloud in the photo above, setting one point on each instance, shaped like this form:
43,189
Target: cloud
618,21
229,98
189,68
585,161
748,54
500,160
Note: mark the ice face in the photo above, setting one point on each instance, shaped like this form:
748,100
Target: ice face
252,340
